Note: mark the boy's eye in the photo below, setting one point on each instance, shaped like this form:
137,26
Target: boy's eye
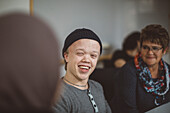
93,56
80,53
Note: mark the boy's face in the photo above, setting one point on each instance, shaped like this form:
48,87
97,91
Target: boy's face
82,58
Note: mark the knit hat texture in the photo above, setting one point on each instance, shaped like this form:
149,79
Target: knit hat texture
80,34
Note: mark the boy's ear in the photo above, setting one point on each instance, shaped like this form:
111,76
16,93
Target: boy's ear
66,56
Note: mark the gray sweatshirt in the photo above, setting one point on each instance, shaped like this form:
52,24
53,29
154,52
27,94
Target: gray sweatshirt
74,100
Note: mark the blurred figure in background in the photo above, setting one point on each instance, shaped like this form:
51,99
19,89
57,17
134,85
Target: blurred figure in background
29,65
130,49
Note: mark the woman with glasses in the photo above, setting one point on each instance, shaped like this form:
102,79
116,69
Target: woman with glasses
144,82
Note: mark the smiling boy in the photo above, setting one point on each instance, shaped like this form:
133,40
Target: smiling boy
81,52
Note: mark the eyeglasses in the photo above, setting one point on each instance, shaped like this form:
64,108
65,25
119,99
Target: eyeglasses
153,48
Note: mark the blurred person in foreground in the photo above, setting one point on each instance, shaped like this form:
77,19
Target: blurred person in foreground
29,65
144,82
81,52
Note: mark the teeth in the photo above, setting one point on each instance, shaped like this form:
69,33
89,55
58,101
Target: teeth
84,67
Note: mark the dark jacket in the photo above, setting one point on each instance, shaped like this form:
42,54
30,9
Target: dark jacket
130,95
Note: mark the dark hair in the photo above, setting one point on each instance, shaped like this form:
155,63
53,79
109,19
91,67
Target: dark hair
130,42
155,33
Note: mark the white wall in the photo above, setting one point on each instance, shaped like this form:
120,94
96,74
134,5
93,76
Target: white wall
112,20
7,6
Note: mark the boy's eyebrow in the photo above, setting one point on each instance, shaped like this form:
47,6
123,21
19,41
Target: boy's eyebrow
96,52
84,50
80,49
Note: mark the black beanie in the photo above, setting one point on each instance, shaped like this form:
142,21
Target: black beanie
80,34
